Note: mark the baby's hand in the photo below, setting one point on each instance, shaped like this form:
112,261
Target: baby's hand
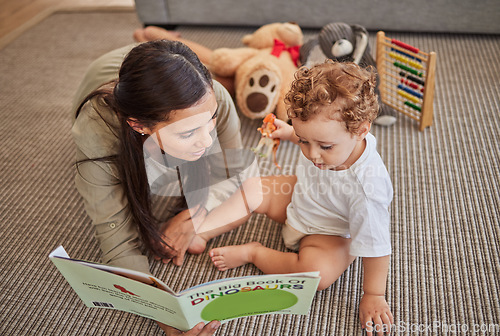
283,131
375,315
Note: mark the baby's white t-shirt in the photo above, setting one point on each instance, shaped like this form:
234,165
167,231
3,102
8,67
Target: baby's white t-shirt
351,203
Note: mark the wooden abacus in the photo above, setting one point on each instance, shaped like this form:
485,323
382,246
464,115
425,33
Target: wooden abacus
407,77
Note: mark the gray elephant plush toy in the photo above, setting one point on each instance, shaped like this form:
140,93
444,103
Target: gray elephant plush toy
344,43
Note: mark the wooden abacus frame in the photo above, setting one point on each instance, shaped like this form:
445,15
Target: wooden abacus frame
407,79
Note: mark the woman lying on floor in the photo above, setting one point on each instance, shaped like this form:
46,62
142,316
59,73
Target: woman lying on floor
151,127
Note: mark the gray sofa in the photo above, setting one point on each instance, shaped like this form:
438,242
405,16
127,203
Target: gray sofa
459,16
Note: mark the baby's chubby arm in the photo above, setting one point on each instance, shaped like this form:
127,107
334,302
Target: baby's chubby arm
284,132
374,312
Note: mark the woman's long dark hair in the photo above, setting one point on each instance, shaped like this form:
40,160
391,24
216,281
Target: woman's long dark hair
155,79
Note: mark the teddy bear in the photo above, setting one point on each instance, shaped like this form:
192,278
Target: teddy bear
344,43
263,70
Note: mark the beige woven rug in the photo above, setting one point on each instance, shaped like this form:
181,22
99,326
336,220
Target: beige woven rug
444,275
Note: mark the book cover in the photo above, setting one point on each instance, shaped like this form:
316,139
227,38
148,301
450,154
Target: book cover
104,286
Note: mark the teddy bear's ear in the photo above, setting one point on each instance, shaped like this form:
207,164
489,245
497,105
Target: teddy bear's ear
258,40
290,33
246,39
362,54
263,37
361,43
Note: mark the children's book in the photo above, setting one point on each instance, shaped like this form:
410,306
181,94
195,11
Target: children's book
104,286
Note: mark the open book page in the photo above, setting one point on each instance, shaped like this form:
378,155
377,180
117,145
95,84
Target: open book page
110,287
131,274
102,288
228,299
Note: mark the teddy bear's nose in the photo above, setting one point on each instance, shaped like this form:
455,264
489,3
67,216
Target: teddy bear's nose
257,102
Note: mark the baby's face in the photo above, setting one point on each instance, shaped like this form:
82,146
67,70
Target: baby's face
327,143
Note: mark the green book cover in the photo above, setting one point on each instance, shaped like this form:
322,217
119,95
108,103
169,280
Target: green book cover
104,286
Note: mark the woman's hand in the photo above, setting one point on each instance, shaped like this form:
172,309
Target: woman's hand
200,329
375,315
283,131
180,231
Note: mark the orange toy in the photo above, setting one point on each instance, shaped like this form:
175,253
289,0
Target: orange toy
270,144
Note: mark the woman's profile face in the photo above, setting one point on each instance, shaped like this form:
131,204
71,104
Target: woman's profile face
189,132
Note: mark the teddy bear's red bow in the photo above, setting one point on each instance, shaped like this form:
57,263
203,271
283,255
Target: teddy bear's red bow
279,47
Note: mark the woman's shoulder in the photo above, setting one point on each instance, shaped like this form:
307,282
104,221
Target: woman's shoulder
228,121
95,131
221,94
102,70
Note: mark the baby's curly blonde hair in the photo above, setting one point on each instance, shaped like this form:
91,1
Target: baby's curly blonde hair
345,90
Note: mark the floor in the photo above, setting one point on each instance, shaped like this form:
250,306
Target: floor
18,15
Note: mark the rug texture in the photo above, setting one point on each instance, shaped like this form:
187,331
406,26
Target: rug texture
444,274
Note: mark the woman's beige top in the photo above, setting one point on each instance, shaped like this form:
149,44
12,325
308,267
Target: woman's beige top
98,182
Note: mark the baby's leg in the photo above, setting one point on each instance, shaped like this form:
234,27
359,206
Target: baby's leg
229,257
269,195
327,254
264,258
153,33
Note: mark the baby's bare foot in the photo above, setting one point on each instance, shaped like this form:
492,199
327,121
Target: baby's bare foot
152,33
228,257
139,35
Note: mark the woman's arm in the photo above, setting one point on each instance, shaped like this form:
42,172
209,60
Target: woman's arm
228,122
107,206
